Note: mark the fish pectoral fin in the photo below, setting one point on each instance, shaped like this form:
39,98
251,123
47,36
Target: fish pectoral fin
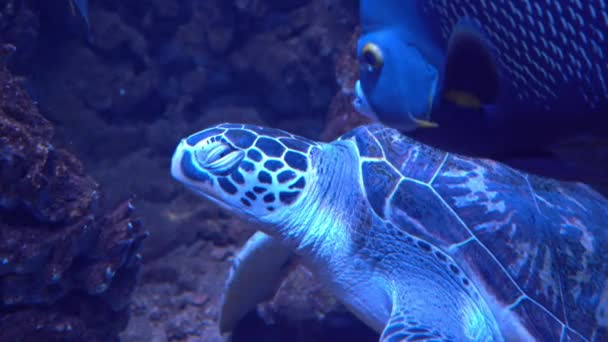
471,72
425,124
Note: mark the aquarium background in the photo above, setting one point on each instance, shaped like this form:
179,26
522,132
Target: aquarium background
97,242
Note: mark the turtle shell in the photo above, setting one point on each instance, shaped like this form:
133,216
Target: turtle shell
539,246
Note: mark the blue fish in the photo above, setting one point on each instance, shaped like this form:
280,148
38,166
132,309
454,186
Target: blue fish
488,75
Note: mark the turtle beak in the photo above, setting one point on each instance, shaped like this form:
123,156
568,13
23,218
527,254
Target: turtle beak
176,160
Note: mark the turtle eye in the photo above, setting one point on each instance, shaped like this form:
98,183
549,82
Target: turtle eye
219,158
372,57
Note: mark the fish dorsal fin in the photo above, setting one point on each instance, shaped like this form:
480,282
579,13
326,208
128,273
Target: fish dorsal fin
471,77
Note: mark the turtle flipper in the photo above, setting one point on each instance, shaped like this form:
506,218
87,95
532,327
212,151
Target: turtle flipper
254,277
400,328
439,312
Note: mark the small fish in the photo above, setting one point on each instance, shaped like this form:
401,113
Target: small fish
485,69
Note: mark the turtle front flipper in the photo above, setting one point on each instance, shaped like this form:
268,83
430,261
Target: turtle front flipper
440,311
255,275
403,326
400,327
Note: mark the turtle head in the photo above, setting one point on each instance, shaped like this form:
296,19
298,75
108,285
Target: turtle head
252,171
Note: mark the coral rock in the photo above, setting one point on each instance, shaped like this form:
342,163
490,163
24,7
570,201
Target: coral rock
342,116
35,177
66,273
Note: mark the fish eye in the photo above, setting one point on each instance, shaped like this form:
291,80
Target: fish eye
372,56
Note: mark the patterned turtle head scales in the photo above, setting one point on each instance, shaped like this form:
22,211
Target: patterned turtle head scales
253,170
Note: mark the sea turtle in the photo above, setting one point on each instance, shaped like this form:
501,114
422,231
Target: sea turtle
418,243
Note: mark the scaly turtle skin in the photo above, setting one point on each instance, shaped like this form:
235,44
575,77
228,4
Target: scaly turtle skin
418,243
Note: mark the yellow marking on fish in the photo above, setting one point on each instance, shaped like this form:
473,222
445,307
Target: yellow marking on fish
426,123
373,56
462,98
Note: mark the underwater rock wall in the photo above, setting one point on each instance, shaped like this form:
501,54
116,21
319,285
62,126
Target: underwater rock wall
342,116
150,72
66,272
19,26
119,96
